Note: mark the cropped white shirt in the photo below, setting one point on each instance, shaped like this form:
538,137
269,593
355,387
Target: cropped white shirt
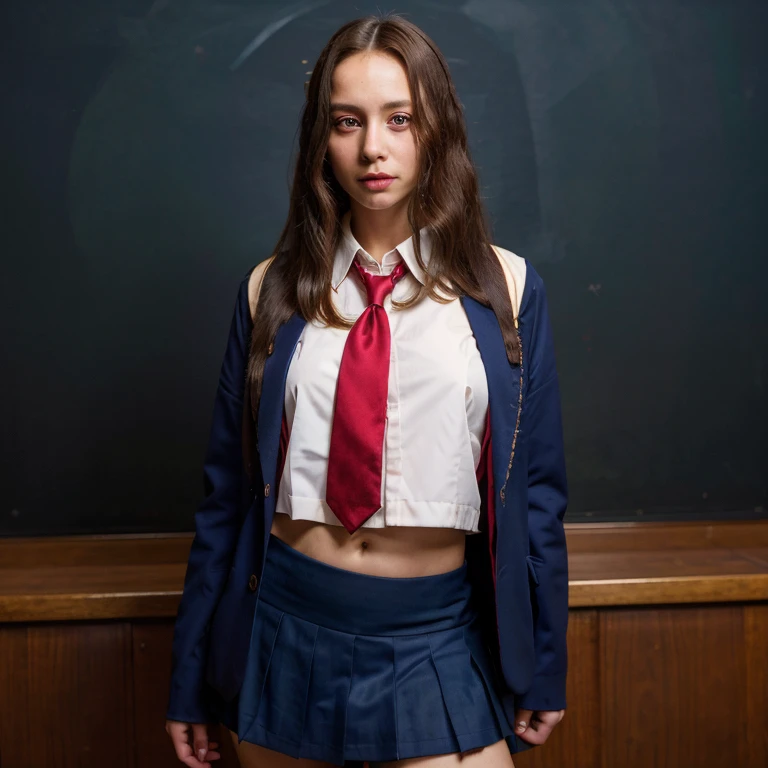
436,404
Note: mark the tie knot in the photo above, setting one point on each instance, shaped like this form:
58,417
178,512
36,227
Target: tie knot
379,287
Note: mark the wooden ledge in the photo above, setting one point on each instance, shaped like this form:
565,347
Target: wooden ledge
141,576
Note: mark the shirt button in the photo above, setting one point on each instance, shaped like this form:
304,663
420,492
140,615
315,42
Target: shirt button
266,489
253,582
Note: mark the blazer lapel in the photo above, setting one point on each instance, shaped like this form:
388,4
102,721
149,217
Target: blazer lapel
503,389
272,398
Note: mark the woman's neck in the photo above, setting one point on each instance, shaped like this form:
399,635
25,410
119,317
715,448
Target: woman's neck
380,231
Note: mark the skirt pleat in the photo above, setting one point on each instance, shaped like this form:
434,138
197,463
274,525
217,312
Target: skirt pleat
328,692
371,724
316,691
467,697
481,659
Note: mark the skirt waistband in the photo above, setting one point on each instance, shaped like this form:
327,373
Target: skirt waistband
362,604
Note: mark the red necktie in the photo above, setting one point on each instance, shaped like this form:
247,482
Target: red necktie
353,487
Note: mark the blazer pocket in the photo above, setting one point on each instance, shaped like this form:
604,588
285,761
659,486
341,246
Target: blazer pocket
533,562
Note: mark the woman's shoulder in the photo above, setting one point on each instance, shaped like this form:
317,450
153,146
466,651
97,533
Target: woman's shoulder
516,272
255,277
525,283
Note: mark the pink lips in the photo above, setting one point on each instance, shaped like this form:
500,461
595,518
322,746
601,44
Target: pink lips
378,184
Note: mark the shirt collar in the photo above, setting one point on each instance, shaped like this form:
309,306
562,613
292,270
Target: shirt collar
348,248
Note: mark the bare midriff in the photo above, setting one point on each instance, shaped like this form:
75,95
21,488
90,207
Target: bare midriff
395,552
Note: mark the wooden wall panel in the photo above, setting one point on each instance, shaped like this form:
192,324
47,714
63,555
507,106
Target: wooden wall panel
151,680
573,743
14,696
70,696
659,686
152,642
667,649
756,655
673,687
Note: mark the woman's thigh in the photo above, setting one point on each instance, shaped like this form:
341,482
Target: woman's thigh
255,756
493,756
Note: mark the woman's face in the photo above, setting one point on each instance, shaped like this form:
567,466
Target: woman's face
371,129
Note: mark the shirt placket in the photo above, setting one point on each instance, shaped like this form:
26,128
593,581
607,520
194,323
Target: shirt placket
393,461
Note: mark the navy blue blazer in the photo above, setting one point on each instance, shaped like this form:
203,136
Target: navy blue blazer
519,567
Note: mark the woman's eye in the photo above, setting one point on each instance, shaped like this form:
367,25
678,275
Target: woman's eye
344,122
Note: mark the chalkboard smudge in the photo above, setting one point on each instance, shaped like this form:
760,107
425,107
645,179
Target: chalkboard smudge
271,29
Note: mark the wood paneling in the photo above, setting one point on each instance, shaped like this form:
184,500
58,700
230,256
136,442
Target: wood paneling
573,743
151,664
151,681
107,549
667,563
610,537
667,649
69,692
756,662
152,590
97,578
673,687
151,673
15,727
656,686
82,592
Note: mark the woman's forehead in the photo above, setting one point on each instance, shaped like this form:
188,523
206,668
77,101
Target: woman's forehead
375,80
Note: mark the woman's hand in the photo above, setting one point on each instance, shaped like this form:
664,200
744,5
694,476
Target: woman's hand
534,726
197,753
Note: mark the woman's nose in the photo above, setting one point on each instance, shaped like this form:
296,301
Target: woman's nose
373,143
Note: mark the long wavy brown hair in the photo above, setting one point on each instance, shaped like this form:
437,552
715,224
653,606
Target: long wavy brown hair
446,199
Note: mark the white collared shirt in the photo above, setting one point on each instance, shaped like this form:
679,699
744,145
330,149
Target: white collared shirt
436,404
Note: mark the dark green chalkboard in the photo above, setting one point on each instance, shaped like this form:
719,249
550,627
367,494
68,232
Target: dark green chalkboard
148,147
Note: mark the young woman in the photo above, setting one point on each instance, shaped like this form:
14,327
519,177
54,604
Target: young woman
379,569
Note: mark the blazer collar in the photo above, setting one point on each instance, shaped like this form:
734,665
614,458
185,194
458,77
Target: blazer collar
349,247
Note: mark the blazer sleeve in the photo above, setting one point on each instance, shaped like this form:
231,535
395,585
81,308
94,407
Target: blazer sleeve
216,526
547,501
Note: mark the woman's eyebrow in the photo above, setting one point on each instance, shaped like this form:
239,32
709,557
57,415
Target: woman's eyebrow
356,108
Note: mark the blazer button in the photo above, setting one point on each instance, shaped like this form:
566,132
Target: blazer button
270,348
266,489
253,582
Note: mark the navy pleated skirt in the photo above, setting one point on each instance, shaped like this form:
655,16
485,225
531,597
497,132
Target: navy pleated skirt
345,666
